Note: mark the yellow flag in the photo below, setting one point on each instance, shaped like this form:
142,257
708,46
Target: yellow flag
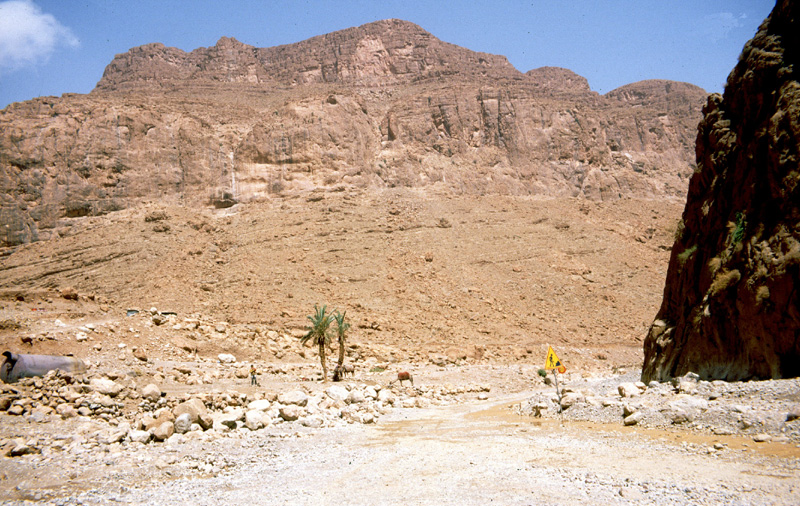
552,361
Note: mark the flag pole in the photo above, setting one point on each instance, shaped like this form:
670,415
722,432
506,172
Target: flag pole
558,393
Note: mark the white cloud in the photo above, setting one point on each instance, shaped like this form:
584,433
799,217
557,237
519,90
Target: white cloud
718,26
28,36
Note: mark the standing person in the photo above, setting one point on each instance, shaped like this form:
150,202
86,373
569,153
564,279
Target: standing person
253,380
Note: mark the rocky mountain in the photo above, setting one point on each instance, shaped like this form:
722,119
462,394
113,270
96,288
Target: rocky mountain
731,308
378,106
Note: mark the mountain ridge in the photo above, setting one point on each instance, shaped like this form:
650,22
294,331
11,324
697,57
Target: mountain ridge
378,106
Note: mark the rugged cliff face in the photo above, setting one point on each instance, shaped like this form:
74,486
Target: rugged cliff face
381,105
731,307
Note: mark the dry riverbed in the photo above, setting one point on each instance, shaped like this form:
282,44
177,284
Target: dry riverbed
471,447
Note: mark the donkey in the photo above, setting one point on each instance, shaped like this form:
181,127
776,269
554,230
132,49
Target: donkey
403,376
340,372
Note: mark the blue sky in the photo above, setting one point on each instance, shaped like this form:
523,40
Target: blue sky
50,47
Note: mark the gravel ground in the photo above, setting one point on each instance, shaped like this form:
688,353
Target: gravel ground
468,452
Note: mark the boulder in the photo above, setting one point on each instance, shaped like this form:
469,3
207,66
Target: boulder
313,421
296,397
183,423
139,436
628,390
226,358
570,399
194,407
261,405
386,396
66,410
254,419
163,430
105,386
355,397
337,393
151,392
292,412
140,353
205,421
688,403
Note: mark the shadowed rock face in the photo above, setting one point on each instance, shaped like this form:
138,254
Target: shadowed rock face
378,106
731,307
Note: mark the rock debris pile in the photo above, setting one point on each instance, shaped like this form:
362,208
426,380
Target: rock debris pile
763,410
125,414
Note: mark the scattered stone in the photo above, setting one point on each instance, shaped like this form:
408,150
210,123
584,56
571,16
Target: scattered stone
226,358
66,410
355,397
69,293
194,407
570,399
793,414
762,438
337,393
254,419
261,405
19,448
183,423
634,418
205,421
105,386
151,392
139,353
628,390
679,416
16,409
296,397
291,413
139,436
312,422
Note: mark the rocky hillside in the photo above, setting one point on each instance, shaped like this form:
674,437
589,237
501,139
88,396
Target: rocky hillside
731,309
382,105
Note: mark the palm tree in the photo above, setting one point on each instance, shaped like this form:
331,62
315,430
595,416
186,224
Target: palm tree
341,330
319,334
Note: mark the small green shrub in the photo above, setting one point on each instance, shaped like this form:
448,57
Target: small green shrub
542,373
684,256
738,229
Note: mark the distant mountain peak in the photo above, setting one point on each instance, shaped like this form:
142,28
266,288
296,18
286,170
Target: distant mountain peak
379,53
